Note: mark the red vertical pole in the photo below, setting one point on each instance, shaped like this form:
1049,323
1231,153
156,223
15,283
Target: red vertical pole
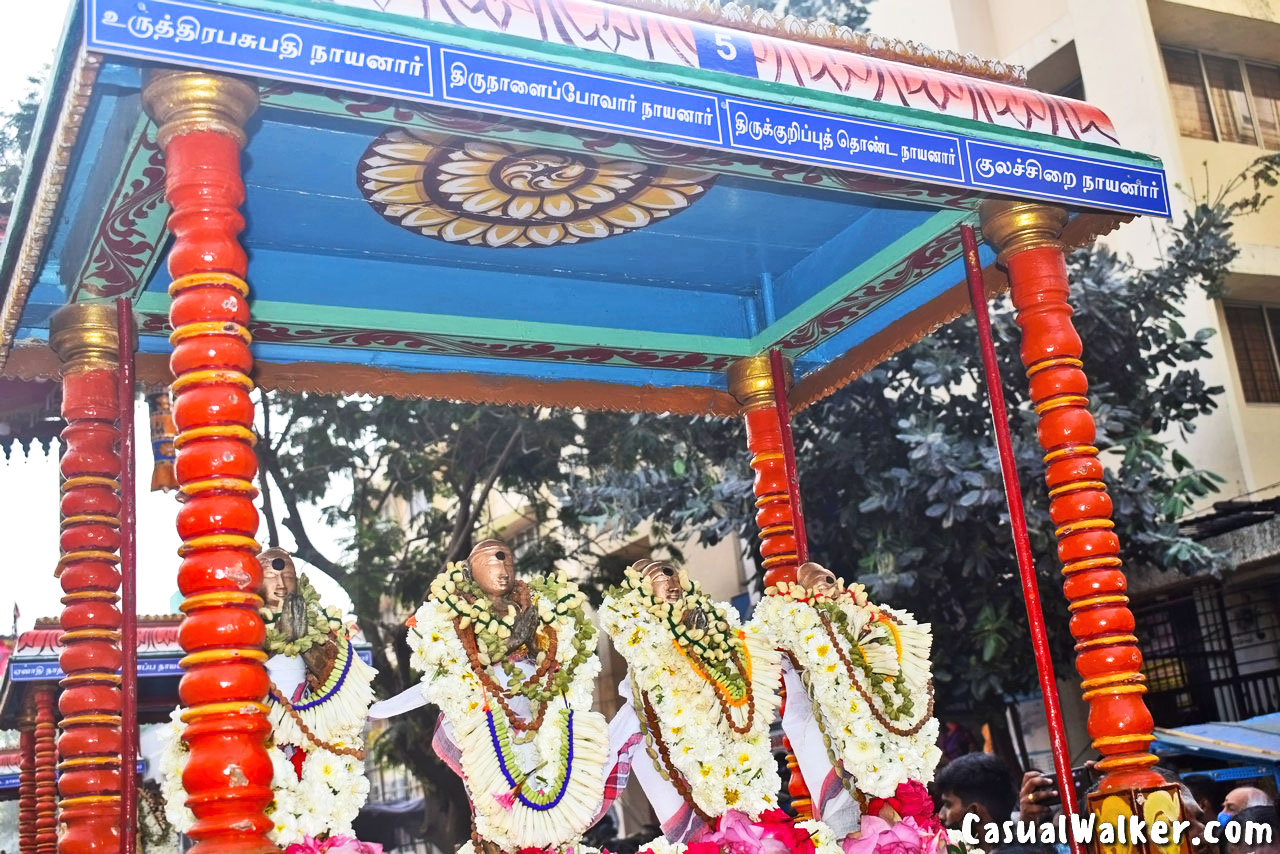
224,683
779,371
751,384
84,337
1018,523
1107,655
759,384
46,807
128,582
27,783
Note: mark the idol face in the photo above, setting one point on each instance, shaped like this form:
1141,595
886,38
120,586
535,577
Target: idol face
494,571
273,581
816,579
664,583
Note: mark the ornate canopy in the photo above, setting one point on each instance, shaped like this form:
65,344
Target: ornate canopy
551,201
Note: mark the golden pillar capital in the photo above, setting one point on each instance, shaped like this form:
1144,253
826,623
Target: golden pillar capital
84,336
751,381
1014,227
183,102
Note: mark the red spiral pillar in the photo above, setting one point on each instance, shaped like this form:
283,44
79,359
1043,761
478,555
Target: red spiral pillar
27,783
1107,654
228,773
46,759
85,338
751,382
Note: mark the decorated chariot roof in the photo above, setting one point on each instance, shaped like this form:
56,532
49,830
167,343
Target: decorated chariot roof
562,202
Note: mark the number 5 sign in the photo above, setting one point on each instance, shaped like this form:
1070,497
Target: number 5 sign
720,50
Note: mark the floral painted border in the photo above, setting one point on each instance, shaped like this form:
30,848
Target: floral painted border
345,337
671,39
126,245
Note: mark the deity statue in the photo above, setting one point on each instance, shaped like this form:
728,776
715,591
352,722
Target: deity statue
317,705
859,695
701,693
512,666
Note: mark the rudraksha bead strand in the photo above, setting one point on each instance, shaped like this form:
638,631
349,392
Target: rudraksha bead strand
85,337
1107,654
225,685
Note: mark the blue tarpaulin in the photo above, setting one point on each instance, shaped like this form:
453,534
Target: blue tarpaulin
1253,740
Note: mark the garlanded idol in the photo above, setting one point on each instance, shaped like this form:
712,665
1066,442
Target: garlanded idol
512,667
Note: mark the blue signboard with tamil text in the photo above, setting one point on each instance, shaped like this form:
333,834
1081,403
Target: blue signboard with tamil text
1022,171
208,35
820,138
551,92
244,40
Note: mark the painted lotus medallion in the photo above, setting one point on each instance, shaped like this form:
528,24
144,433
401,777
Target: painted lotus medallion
484,193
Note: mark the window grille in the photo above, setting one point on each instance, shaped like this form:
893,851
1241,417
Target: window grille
1255,341
1224,98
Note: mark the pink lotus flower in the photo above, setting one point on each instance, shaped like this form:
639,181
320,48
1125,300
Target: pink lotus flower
771,834
878,836
506,800
333,845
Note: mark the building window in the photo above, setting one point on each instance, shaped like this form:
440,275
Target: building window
1224,99
1255,341
1073,90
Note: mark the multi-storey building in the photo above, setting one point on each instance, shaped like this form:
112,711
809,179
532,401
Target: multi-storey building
1196,82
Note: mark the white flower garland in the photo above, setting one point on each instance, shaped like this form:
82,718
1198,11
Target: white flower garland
724,769
876,759
337,712
538,767
325,801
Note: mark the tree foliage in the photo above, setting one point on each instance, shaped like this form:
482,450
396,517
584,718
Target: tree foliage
846,13
16,127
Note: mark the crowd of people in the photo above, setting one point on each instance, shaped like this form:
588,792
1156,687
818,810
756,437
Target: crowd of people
981,785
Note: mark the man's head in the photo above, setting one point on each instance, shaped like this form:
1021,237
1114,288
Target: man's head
493,568
977,783
662,579
1243,797
1254,821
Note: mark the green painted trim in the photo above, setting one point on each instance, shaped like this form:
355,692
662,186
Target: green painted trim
475,328
859,277
727,84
